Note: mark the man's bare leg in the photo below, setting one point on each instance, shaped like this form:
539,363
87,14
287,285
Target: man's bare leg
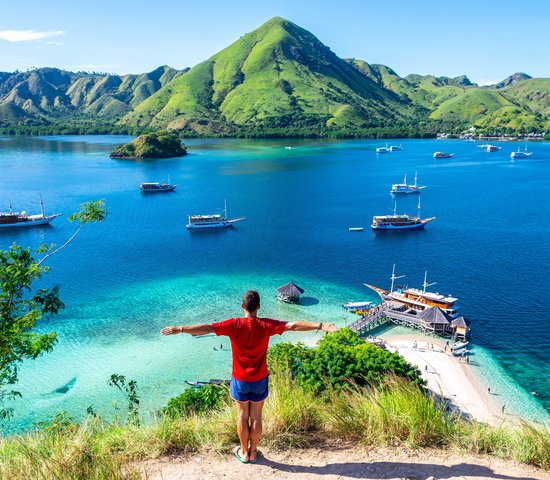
255,427
243,429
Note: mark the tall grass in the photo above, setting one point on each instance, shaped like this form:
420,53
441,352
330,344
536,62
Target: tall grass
396,414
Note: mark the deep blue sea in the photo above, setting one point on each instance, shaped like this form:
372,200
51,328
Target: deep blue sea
140,270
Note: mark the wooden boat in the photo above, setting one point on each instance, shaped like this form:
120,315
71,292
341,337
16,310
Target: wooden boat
399,222
418,299
217,220
154,187
13,219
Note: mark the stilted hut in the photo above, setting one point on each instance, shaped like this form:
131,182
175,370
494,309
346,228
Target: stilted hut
435,320
460,328
289,293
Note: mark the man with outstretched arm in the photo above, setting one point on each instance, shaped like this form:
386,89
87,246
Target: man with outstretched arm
249,337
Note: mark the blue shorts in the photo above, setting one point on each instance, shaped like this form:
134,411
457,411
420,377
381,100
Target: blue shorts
248,391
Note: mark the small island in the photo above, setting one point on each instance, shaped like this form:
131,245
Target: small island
162,144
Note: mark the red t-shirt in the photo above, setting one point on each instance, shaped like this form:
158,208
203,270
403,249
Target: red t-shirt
249,340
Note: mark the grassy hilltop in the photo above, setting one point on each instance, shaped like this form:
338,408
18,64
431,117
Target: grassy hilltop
276,80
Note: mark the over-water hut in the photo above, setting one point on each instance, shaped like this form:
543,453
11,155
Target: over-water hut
460,327
289,293
435,320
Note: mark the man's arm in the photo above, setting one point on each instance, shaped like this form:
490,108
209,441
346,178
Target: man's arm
201,329
308,326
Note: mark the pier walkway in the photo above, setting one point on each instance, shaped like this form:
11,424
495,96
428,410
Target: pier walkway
396,313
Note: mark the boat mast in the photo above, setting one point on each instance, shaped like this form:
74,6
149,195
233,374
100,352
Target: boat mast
393,278
395,209
426,284
415,175
405,179
42,207
225,208
418,213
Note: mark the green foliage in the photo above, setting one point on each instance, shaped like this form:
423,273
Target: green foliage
22,305
161,144
197,401
399,415
129,390
342,359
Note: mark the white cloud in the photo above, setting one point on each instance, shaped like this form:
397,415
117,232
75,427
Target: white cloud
55,43
28,35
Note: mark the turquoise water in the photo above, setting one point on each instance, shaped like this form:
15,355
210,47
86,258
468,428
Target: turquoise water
140,270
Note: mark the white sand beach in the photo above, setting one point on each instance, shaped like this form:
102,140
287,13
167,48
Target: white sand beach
448,376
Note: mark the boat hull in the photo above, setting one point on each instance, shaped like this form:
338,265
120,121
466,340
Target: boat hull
157,190
30,223
395,227
202,226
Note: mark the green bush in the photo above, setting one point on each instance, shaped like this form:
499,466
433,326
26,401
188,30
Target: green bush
197,401
342,359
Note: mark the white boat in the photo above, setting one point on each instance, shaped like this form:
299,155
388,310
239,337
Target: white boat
289,148
490,148
459,345
355,229
13,219
395,148
383,149
460,352
520,154
399,222
443,155
154,187
217,220
357,306
405,188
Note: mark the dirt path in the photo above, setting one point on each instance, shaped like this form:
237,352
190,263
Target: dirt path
332,463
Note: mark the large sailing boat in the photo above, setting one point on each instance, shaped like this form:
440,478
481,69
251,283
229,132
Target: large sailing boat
216,220
399,222
416,298
13,219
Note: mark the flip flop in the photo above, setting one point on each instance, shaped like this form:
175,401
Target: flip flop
236,453
256,459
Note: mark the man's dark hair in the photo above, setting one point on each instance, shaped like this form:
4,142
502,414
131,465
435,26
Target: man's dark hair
251,301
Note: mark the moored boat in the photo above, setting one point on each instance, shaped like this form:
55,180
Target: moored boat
459,345
153,187
13,219
443,155
395,148
406,188
357,307
415,298
217,220
490,148
399,222
521,154
383,149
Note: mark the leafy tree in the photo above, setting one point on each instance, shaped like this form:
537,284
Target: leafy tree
130,392
341,358
22,305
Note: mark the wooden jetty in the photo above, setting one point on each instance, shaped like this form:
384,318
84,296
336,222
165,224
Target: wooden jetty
431,321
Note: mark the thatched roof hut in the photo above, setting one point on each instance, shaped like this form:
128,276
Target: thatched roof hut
289,292
460,326
435,319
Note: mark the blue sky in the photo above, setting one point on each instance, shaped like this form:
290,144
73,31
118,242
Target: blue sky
487,41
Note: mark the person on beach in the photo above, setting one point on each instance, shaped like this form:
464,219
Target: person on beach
249,336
